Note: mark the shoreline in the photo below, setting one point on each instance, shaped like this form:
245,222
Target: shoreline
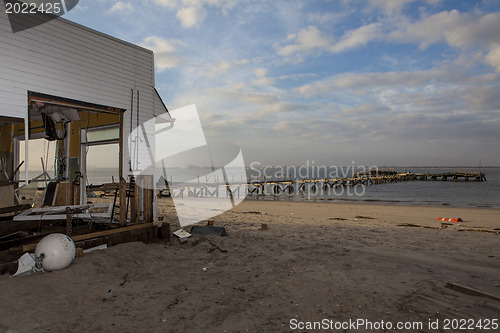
318,213
374,202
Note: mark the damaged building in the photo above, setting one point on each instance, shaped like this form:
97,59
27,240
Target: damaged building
77,88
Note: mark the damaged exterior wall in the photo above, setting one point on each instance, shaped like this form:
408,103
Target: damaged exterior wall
64,59
67,60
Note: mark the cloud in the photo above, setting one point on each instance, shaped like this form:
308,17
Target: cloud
362,110
462,30
311,40
166,3
192,13
458,30
280,107
378,80
261,79
357,37
120,6
324,17
390,6
306,41
224,67
250,97
493,58
191,16
165,52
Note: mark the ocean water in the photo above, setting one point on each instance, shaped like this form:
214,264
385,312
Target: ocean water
422,193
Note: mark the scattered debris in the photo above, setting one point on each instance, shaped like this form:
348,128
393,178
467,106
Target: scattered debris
59,212
337,219
181,233
263,227
449,219
204,269
479,230
417,226
409,225
26,264
108,295
124,280
255,212
96,248
470,291
214,244
176,301
55,252
365,217
208,230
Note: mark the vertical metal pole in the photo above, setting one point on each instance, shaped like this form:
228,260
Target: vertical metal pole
26,145
130,133
122,186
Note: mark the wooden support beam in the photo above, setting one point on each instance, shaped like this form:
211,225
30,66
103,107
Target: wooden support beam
111,232
123,201
68,221
15,209
164,232
9,227
137,199
148,199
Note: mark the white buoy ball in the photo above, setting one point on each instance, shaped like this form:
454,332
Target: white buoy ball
57,250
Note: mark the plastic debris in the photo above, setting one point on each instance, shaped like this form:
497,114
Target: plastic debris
26,265
108,295
208,230
181,233
444,219
95,248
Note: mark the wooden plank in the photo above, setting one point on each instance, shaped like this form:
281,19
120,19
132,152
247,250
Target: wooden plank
64,196
14,209
470,291
132,203
76,194
9,227
59,212
68,221
7,195
137,199
164,232
123,201
148,198
31,247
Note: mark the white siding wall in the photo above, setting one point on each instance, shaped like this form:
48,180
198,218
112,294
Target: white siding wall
64,59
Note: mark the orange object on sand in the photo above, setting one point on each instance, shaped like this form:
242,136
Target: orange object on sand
449,220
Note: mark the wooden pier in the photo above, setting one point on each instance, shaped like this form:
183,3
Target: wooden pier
302,186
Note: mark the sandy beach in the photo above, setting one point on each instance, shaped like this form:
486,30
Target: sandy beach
316,262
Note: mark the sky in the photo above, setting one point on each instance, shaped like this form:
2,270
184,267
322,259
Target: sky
394,82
